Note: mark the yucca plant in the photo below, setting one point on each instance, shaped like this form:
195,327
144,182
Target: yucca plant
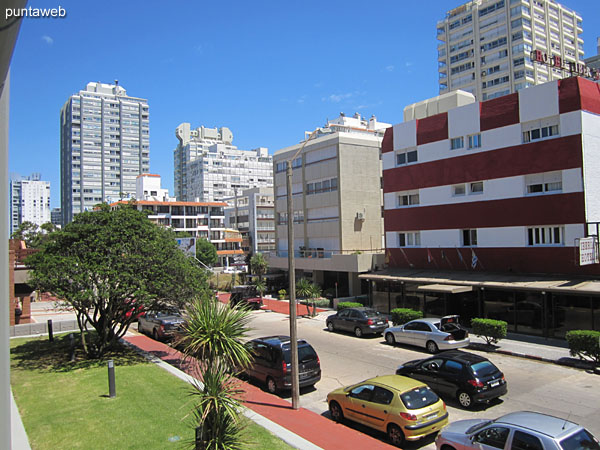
214,334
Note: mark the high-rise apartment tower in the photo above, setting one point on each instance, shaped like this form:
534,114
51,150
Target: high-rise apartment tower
485,45
104,146
29,200
209,168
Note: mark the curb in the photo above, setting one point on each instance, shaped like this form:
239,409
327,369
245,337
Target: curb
576,364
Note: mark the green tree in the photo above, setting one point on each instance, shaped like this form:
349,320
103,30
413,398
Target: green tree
261,287
109,266
206,252
214,335
33,235
308,291
259,265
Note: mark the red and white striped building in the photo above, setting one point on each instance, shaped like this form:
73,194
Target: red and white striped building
506,185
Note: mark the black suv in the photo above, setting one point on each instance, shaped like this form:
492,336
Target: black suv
465,376
272,363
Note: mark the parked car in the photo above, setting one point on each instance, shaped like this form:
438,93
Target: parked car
456,374
162,325
431,333
523,430
358,320
403,408
272,363
245,294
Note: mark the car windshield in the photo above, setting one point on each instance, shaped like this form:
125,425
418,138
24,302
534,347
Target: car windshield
582,440
483,368
478,427
167,313
419,398
305,353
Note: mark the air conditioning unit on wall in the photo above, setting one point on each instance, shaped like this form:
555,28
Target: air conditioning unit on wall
360,216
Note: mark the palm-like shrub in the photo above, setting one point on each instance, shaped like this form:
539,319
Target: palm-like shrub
214,336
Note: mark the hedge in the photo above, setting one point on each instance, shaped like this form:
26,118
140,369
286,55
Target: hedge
489,329
344,305
584,344
402,315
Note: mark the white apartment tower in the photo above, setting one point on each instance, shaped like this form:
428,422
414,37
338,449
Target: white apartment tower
486,45
104,147
209,168
29,200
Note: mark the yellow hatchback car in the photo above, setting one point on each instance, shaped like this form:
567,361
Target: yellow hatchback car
399,406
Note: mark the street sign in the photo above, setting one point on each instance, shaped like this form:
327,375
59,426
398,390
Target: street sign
588,253
188,245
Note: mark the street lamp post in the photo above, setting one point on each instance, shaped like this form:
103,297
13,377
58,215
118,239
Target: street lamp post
292,277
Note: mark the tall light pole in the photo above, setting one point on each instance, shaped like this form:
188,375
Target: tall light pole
292,277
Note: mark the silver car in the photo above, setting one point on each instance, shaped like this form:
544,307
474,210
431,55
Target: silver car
517,430
431,333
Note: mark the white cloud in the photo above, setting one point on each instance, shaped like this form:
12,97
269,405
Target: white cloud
389,68
301,99
408,64
47,39
336,98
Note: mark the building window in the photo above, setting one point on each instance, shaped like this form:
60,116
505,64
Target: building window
408,199
540,188
281,218
280,167
545,236
299,216
406,157
475,140
476,188
456,143
411,239
321,186
540,133
469,238
458,190
297,163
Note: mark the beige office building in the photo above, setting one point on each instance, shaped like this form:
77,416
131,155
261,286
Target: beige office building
485,45
337,198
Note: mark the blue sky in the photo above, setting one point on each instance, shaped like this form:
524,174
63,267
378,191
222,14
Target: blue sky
268,70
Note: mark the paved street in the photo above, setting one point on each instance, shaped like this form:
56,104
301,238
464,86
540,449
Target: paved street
536,386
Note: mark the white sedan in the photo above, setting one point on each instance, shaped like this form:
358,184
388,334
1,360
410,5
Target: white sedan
431,333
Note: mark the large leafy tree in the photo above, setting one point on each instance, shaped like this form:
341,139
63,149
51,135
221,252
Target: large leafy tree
33,235
206,252
110,266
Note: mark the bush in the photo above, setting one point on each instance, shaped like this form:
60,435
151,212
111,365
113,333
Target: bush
318,302
584,344
402,315
489,329
282,293
344,305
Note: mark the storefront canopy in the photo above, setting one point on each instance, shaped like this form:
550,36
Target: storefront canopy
447,281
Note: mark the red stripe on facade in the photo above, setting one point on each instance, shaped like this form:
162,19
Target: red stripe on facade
590,95
432,129
536,157
562,260
387,145
534,210
499,112
577,93
568,95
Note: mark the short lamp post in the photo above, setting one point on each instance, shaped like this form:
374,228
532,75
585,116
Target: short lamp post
292,277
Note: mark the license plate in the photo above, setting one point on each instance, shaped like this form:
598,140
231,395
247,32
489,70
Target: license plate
495,383
379,323
304,376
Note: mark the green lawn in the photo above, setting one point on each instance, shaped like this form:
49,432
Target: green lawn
65,405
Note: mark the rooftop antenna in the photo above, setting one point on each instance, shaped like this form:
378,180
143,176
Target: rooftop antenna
116,82
565,424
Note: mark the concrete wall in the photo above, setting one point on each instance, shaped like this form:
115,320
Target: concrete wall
58,326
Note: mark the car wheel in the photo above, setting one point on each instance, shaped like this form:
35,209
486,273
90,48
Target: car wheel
358,332
465,400
395,435
155,334
271,385
336,411
432,347
390,339
447,447
330,326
